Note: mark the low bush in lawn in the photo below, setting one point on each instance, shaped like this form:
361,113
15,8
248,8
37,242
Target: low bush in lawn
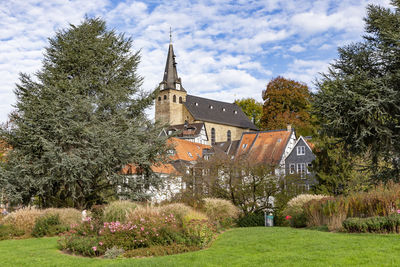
144,227
251,220
9,232
377,224
294,211
48,225
222,212
383,200
26,219
23,219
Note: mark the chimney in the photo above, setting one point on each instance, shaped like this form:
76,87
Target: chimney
289,127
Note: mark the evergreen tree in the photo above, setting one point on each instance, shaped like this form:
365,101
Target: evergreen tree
359,97
80,121
287,102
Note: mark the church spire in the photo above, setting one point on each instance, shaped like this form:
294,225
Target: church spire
171,79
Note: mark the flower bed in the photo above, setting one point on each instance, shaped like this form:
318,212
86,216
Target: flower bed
162,233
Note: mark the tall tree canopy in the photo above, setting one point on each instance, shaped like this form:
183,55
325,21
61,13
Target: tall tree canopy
287,102
359,97
252,109
79,121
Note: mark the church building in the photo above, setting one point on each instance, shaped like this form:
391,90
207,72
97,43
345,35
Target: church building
219,121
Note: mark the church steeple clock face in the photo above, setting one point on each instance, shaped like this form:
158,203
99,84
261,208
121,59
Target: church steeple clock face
178,86
162,86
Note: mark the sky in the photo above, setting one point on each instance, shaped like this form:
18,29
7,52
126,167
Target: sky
225,50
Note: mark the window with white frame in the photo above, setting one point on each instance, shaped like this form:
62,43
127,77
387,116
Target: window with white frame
292,168
301,169
309,165
301,150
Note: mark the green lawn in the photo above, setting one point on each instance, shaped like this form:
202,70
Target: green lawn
239,247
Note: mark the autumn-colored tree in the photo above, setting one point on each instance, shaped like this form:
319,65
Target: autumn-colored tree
287,102
252,109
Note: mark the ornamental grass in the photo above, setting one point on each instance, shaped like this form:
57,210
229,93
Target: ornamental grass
23,219
118,210
383,200
222,212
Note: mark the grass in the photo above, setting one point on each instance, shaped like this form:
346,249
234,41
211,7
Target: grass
239,247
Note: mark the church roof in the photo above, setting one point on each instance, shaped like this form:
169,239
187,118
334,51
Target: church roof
170,73
204,109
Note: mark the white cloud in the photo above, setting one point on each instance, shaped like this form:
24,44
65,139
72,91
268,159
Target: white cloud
225,49
297,48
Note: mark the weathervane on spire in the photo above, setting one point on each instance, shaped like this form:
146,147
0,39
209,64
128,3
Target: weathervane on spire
170,35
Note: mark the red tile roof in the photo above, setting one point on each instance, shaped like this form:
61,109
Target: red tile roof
186,150
264,147
182,150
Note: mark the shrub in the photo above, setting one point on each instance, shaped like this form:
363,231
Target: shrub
222,212
113,252
160,250
97,212
118,210
83,245
9,232
251,220
377,224
198,227
48,225
179,210
295,209
23,219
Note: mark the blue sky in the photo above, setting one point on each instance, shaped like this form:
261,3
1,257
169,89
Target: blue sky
225,49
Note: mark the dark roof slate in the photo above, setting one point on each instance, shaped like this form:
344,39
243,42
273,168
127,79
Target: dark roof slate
186,131
221,112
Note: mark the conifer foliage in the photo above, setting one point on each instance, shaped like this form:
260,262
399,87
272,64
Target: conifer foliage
79,121
359,98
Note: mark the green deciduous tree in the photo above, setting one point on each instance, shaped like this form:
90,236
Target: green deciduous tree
359,97
79,121
287,102
252,109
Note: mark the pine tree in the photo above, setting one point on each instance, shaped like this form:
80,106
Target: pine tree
359,98
79,121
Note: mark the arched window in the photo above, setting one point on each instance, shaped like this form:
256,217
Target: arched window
174,99
228,135
165,97
180,99
212,136
159,98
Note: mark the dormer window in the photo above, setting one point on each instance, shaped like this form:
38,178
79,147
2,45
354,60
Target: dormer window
178,86
235,112
190,154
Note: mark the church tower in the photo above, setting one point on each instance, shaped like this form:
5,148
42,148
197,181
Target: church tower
169,102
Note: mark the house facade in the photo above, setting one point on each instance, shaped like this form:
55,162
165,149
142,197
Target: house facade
299,161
